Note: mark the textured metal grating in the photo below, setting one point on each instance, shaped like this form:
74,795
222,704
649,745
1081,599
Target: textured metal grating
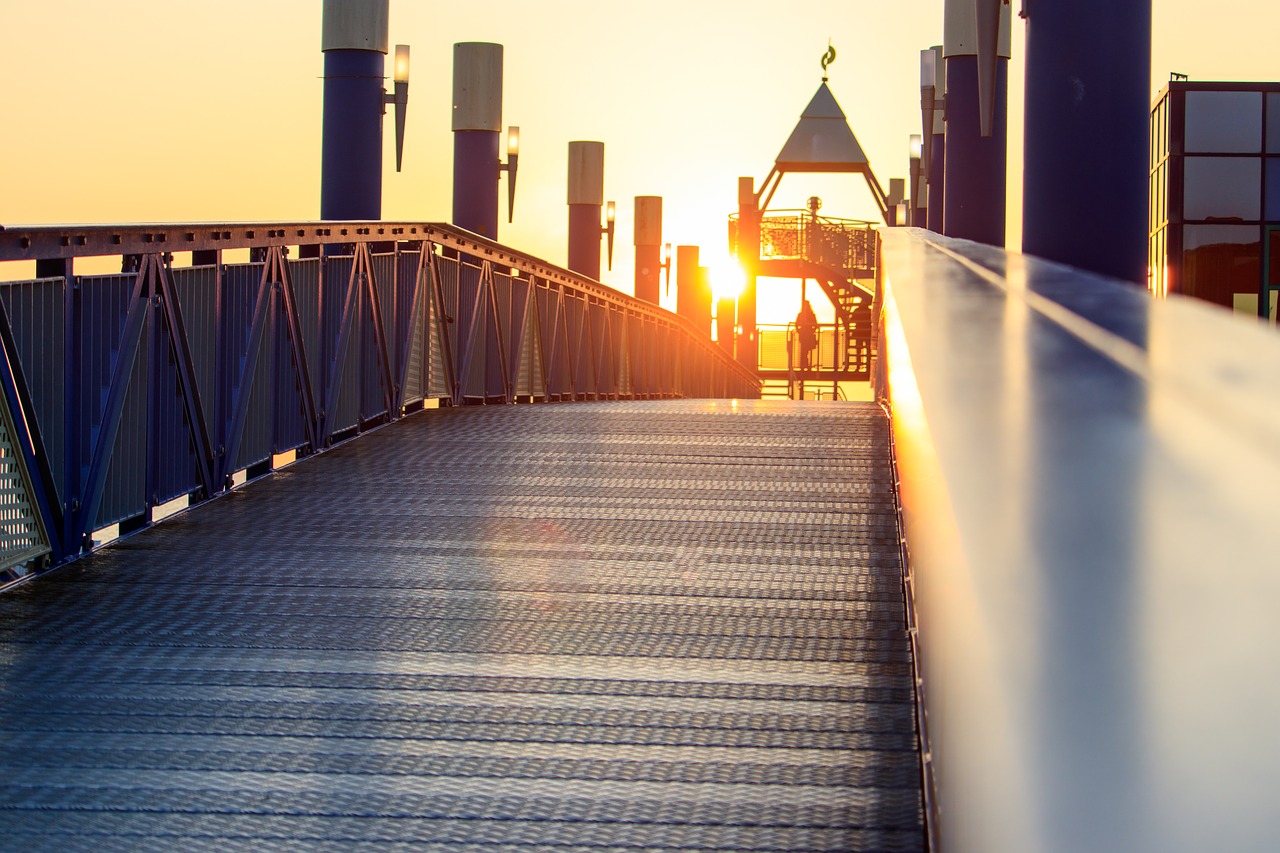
22,534
639,625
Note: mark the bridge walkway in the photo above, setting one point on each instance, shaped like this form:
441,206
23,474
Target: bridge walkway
671,624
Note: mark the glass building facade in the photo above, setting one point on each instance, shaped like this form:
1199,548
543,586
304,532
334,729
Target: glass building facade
1215,194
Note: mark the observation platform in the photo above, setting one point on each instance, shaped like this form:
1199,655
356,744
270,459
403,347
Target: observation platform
606,625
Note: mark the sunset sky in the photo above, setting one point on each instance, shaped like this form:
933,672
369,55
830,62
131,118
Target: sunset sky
154,110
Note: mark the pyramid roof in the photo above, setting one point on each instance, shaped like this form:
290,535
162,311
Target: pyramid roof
823,140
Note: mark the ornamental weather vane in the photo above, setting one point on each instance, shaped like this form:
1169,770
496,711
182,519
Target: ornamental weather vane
827,58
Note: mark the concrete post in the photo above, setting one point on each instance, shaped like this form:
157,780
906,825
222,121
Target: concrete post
586,198
354,39
648,241
975,168
1087,135
477,131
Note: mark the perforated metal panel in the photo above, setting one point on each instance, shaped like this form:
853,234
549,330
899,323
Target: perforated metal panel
23,537
599,626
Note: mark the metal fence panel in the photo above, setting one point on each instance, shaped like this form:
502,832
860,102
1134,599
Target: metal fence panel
255,441
289,430
384,273
124,494
38,318
450,273
305,274
103,308
174,470
344,407
408,340
22,534
439,378
197,291
373,401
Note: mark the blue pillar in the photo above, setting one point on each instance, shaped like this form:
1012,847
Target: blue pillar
1087,134
475,181
477,127
937,183
586,198
354,42
975,166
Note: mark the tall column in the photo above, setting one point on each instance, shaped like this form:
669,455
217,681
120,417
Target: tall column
1087,134
354,39
477,130
976,165
648,240
936,200
749,260
693,296
586,197
725,322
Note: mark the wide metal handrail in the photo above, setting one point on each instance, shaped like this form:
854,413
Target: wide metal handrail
168,382
1089,482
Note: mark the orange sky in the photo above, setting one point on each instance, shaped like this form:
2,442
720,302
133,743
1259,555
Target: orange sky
151,110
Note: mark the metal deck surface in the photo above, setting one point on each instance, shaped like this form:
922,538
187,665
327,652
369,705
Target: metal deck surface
593,626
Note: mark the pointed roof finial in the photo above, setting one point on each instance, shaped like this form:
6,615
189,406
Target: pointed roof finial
827,58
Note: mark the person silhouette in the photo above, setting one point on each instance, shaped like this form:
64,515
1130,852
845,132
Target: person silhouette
807,328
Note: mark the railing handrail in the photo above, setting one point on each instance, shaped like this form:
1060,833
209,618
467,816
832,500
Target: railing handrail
1089,481
54,242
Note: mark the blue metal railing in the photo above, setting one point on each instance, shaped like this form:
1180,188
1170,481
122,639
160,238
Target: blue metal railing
134,389
1089,482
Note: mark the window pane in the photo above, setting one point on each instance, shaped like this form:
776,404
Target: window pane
1273,123
1224,122
1219,261
1223,188
1274,277
1273,189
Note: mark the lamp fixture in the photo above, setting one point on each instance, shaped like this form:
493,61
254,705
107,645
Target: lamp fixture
665,266
611,217
400,79
510,167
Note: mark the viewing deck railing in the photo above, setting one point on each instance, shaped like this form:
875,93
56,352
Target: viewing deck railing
183,375
840,244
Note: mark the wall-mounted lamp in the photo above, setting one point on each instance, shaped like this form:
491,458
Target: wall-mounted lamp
665,266
611,217
917,146
510,167
400,76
